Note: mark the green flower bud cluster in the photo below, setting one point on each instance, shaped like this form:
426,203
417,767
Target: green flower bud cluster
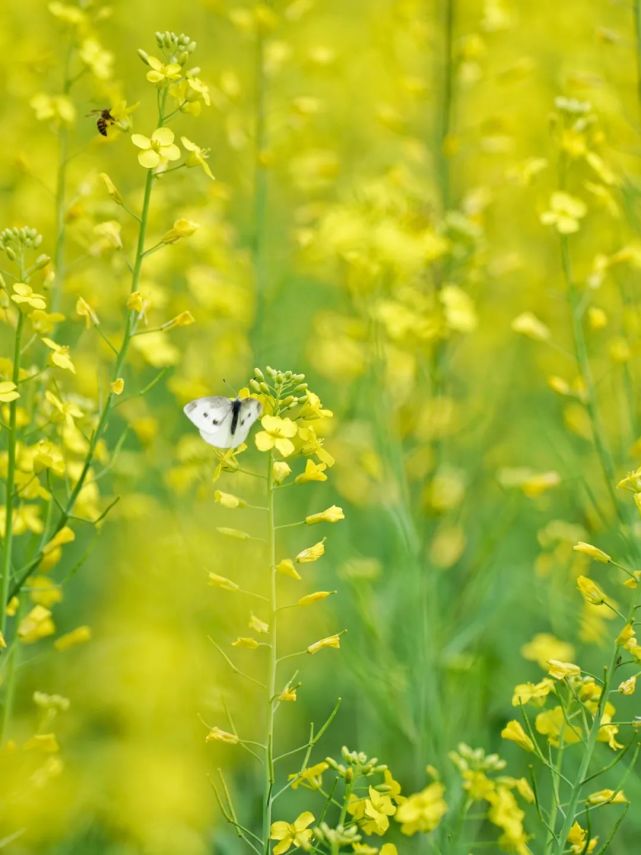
357,764
176,48
285,389
15,241
337,837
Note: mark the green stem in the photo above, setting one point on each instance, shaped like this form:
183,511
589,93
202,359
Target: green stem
446,76
579,781
268,797
637,35
260,186
109,401
10,482
583,363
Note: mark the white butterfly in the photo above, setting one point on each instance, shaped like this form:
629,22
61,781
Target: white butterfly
223,422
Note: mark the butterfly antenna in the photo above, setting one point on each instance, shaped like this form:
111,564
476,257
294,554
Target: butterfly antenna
231,388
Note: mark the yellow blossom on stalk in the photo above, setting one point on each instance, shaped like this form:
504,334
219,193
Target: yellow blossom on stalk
590,591
311,777
513,731
632,481
559,670
627,687
277,433
553,725
288,695
196,156
45,742
280,471
24,295
330,515
156,150
286,568
331,641
111,188
44,592
182,228
136,302
316,597
532,692
423,811
8,392
257,624
59,355
12,607
372,813
60,108
608,731
530,326
604,797
296,833
577,838
246,642
544,647
592,552
96,58
311,553
3,643
184,319
227,500
65,535
564,213
505,813
84,310
79,635
117,386
161,72
222,582
313,472
216,734
35,625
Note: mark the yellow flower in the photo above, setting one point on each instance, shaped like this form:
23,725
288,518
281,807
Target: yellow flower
57,107
628,687
316,597
553,725
35,625
156,150
45,592
222,582
286,568
330,515
96,58
532,692
604,797
79,635
310,778
313,472
111,188
288,695
161,72
514,732
24,295
280,471
324,643
564,213
136,302
65,535
197,156
182,228
257,624
247,642
577,838
59,356
8,391
592,552
3,643
296,833
84,310
277,434
529,325
312,553
559,670
218,735
422,811
590,591
117,386
228,500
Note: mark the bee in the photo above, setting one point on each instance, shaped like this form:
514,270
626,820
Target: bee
104,120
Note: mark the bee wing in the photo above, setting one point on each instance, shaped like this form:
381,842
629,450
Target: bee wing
250,410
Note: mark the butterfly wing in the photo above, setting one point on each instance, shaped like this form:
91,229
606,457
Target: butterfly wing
250,409
214,418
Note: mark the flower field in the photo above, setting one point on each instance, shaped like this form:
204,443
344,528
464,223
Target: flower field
320,427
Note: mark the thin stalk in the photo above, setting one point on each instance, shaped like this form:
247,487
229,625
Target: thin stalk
103,419
61,189
260,182
10,481
270,775
9,689
585,370
575,795
637,35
